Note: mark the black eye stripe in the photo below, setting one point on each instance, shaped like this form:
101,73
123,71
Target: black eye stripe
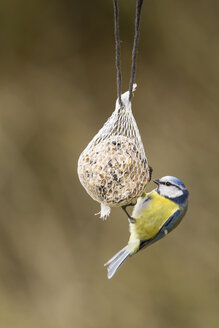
169,184
166,183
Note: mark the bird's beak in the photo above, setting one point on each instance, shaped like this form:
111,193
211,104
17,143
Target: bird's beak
157,181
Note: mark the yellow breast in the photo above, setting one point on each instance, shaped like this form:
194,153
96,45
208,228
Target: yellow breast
150,215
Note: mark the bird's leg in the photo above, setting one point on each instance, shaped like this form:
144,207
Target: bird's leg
126,212
131,219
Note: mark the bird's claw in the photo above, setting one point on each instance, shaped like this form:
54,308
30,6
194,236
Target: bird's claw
131,220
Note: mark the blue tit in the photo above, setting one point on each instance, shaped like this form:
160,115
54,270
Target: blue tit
154,216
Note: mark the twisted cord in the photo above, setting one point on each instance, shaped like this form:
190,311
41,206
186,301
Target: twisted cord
135,46
118,68
134,50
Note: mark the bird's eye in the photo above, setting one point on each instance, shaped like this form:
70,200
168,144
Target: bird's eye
168,184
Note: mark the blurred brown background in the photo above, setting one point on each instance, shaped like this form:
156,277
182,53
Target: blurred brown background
57,88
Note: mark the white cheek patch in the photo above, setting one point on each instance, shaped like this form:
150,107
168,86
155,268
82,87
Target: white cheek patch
170,191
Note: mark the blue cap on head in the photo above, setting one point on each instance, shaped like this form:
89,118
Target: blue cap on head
174,180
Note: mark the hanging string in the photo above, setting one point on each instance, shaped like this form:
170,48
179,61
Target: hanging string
135,46
118,69
134,51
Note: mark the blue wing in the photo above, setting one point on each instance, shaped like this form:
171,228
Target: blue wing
168,226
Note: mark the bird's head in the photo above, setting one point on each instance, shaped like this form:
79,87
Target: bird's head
172,188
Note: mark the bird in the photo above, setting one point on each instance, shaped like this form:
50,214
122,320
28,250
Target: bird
155,215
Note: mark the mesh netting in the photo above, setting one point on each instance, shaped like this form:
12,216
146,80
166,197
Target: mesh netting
113,167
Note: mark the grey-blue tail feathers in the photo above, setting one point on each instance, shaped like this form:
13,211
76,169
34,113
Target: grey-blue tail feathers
116,261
